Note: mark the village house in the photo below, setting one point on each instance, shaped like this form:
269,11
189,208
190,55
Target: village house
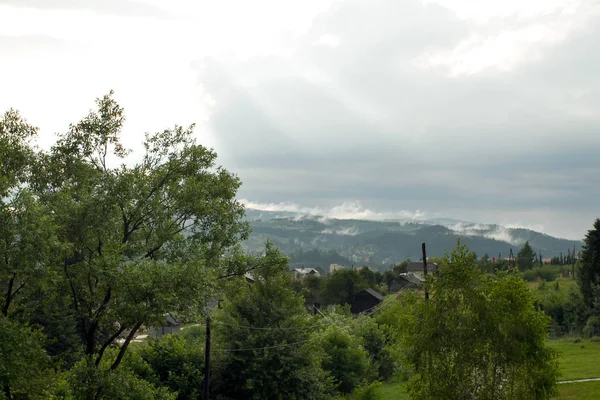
171,325
416,268
406,280
300,273
364,301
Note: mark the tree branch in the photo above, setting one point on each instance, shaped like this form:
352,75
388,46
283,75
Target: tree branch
73,291
125,345
107,343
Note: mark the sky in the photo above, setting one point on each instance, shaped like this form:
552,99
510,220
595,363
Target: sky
481,110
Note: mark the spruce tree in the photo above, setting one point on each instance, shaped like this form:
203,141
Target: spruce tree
590,264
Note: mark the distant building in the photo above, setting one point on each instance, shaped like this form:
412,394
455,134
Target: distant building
300,273
335,267
364,301
416,268
406,280
249,277
171,325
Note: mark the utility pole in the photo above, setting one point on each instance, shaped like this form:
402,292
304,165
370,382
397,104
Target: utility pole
573,266
207,361
511,258
425,267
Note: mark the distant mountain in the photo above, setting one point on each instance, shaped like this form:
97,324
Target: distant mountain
382,243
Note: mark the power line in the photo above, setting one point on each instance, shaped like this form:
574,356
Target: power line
264,348
268,328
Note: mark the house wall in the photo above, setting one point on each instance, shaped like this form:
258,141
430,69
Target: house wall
363,303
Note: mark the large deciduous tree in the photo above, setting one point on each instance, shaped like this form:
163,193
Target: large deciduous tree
262,339
138,240
26,228
478,336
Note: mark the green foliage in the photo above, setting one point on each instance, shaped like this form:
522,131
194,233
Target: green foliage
592,327
372,278
176,363
24,366
525,257
88,381
401,268
589,270
27,241
477,336
345,358
371,391
342,285
15,151
137,241
547,273
379,343
283,363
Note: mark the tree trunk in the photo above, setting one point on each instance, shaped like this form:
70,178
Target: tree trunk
90,338
8,297
7,392
125,345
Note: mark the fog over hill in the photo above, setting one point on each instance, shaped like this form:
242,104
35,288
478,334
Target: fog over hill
387,241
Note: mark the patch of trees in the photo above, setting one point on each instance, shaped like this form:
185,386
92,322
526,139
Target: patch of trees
92,253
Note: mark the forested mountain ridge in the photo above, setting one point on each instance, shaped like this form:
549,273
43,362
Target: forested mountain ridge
380,243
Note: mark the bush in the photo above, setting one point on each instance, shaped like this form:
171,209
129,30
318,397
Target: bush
368,392
345,359
377,343
592,327
546,273
175,363
86,381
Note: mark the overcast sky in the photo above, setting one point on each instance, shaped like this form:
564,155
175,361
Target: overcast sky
482,110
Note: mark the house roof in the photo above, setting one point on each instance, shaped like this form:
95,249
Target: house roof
372,293
412,278
306,271
418,266
172,321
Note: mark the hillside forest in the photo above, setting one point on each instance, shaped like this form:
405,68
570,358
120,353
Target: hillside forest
101,250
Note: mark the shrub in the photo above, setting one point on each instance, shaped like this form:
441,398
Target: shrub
546,273
345,359
368,392
592,327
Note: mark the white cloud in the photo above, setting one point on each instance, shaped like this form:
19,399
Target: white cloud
347,210
526,31
328,40
350,231
496,232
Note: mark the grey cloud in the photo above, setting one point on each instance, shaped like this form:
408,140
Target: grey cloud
361,122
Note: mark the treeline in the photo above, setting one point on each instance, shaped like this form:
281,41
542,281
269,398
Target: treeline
318,258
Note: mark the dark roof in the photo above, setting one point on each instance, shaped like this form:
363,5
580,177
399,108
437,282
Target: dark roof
418,266
172,321
412,278
372,293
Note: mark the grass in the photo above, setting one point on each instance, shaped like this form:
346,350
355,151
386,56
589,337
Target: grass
564,286
578,360
579,391
394,390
